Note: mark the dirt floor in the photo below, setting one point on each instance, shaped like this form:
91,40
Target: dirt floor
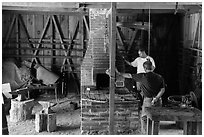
68,120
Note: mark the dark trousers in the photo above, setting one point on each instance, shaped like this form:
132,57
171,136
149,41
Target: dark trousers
4,122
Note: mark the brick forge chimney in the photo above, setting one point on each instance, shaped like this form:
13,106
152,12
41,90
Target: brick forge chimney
96,60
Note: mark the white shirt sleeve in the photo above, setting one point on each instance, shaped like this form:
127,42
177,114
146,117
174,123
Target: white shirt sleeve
152,60
134,63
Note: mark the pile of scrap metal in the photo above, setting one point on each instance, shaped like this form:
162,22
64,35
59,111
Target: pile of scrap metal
20,80
14,75
193,99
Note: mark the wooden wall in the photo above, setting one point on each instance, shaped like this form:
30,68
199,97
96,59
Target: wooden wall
54,40
191,61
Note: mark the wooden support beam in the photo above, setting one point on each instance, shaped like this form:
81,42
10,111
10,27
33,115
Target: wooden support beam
76,31
48,40
35,11
119,34
149,34
86,25
132,39
17,33
42,4
51,49
26,32
41,56
60,37
40,40
112,67
67,54
10,30
62,42
71,44
142,5
52,41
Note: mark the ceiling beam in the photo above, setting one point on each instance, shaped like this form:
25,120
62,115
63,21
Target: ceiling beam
42,4
141,5
121,5
156,7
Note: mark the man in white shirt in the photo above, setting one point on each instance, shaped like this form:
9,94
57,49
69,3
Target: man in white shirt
138,62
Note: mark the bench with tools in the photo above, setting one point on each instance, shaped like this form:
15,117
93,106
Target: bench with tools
24,93
21,106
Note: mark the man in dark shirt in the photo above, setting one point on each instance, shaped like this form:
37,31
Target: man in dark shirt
152,86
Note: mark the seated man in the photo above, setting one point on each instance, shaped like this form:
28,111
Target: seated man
152,87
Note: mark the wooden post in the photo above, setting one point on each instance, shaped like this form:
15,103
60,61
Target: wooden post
45,122
149,127
10,30
199,128
186,128
40,122
51,122
112,67
17,35
155,127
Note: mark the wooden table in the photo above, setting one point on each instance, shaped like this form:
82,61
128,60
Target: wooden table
191,118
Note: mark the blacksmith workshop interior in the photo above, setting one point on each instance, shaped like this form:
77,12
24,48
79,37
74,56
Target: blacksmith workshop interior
62,66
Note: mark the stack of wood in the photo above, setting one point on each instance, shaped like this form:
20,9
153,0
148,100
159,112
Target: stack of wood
45,120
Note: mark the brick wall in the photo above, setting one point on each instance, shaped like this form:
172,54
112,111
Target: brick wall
95,113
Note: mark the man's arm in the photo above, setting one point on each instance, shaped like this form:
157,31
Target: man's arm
129,63
161,92
125,75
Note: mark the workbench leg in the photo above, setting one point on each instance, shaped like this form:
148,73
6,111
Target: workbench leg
193,128
155,127
187,128
199,128
56,95
149,126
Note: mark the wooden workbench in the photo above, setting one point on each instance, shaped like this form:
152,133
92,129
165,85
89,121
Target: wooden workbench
191,118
